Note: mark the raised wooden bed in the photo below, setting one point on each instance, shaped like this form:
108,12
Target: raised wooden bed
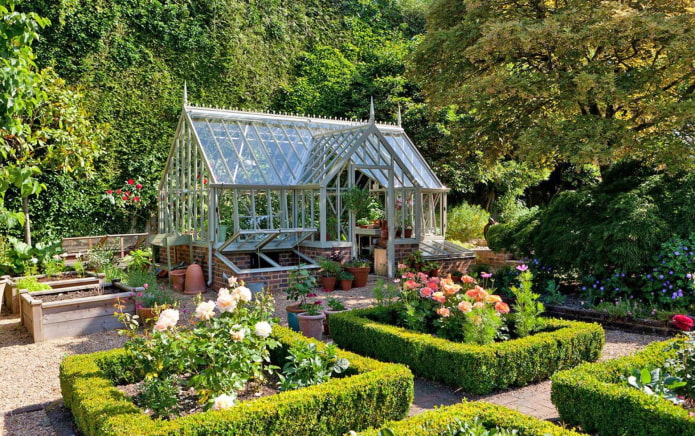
71,317
11,294
636,325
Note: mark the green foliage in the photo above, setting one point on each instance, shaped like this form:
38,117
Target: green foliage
445,419
682,364
573,81
370,394
154,296
32,284
385,292
308,366
159,395
466,222
21,258
510,363
138,260
527,308
593,395
335,304
138,278
329,267
653,382
300,283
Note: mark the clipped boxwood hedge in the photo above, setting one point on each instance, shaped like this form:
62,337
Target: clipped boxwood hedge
594,397
477,369
490,415
370,393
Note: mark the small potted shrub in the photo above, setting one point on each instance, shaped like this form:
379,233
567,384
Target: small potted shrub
311,320
346,279
329,272
432,269
334,306
151,300
360,269
301,284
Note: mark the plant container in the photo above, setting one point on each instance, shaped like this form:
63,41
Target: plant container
292,311
361,275
311,326
328,283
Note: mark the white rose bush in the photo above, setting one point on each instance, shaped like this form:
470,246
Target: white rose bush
226,346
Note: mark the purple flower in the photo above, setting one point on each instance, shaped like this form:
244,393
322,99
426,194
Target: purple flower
670,272
690,276
661,276
677,253
485,275
522,267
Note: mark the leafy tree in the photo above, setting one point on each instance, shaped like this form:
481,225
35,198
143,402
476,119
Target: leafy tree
43,125
566,81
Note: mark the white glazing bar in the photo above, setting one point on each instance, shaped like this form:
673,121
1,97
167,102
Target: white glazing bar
322,213
390,246
235,207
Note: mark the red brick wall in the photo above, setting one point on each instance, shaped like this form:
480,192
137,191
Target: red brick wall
315,252
485,256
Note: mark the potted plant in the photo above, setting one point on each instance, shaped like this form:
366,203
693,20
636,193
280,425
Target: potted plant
151,300
311,320
301,284
364,223
456,276
334,306
357,200
346,279
432,269
360,269
329,272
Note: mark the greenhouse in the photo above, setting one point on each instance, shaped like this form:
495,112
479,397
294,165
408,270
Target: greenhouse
260,193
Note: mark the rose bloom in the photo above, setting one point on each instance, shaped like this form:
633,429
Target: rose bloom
491,298
410,284
422,276
167,319
242,293
502,307
205,310
262,329
477,320
450,289
682,322
433,285
439,297
477,293
426,292
478,305
465,306
232,280
237,335
467,279
225,301
224,401
443,312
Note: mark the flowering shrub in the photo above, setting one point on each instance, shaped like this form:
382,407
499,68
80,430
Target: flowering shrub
129,194
226,347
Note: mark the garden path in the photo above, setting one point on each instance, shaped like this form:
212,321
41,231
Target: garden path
30,389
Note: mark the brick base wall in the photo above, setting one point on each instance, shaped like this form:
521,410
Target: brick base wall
485,256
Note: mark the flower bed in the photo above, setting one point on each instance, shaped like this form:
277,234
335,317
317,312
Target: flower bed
370,393
490,415
594,397
478,369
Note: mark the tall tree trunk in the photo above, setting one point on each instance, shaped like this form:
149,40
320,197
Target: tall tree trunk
27,223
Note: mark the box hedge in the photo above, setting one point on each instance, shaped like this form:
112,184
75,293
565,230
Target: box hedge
477,369
594,397
370,393
490,415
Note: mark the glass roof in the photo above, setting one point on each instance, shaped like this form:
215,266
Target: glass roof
245,148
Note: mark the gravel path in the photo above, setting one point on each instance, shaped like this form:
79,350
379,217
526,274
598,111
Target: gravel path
30,389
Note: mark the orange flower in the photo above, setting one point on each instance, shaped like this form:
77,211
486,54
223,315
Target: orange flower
502,307
426,292
465,306
467,279
478,305
443,312
410,284
450,288
492,298
477,293
439,297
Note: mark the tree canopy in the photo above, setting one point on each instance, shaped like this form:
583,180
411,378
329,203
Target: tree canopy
579,81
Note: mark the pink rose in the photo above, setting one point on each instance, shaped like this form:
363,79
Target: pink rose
443,312
439,297
682,322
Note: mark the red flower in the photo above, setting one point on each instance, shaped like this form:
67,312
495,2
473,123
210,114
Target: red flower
205,181
311,295
118,191
131,181
125,198
138,186
317,302
109,191
127,192
136,198
682,322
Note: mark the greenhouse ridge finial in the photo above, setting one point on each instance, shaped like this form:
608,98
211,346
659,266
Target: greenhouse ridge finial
371,110
185,93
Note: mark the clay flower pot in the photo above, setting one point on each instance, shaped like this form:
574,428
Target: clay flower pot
328,283
195,282
292,311
146,314
178,279
361,275
346,285
311,326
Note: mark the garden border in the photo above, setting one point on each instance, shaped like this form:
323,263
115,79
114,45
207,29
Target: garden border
436,421
477,369
594,397
370,393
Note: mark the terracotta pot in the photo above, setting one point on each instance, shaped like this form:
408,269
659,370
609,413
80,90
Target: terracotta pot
326,321
346,285
195,282
146,314
408,233
292,311
311,326
456,279
433,273
361,274
328,283
178,279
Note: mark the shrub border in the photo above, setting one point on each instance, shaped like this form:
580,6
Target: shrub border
436,421
370,393
593,397
477,369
